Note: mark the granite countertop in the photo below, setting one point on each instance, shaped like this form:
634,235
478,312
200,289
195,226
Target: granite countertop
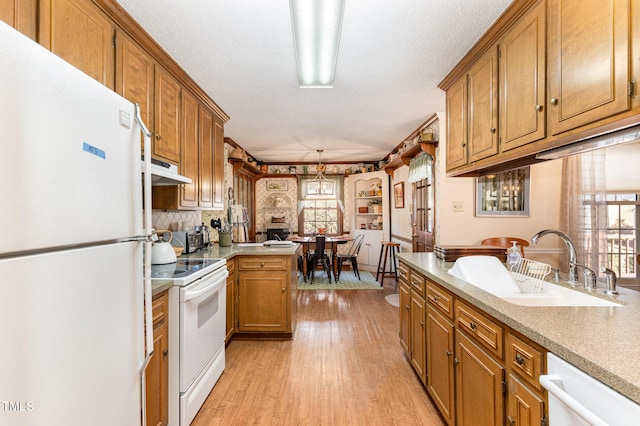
215,251
603,341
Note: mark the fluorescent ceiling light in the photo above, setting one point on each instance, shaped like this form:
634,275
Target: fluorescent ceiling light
317,25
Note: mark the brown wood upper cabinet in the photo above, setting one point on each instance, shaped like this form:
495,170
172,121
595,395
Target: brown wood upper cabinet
457,124
135,76
482,99
565,73
588,61
21,15
80,34
523,80
141,80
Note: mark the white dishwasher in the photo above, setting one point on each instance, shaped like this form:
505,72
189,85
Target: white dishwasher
576,398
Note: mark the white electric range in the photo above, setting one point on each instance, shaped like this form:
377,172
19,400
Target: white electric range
197,329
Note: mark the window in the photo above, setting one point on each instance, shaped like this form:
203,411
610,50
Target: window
321,214
320,211
621,235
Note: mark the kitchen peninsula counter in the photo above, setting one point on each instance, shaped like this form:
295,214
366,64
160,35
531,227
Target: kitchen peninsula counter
602,341
215,251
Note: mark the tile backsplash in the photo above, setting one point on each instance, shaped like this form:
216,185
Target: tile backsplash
171,219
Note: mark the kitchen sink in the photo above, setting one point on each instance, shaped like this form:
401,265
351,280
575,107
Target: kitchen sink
491,275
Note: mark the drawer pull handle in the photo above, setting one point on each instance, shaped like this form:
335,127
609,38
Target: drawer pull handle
436,298
554,101
519,359
456,361
511,420
261,264
448,352
407,307
165,352
284,290
538,107
158,137
422,323
473,325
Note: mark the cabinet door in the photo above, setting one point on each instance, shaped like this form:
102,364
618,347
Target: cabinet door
134,76
167,117
205,158
588,61
483,106
189,149
524,407
157,372
231,304
218,163
262,301
405,308
457,124
418,336
479,384
77,32
21,15
440,363
523,80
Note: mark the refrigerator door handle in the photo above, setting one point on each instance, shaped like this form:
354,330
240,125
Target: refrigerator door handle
148,321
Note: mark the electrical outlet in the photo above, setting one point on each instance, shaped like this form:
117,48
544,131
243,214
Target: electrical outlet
458,206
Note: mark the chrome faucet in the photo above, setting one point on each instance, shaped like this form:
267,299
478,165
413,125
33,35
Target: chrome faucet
611,281
589,277
573,275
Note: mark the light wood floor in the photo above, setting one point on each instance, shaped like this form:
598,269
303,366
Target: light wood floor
344,366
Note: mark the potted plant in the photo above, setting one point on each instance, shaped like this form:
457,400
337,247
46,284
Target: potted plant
375,205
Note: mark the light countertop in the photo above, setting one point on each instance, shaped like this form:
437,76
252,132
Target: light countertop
215,251
603,341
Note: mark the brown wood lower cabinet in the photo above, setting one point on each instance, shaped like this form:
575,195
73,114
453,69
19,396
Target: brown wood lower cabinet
479,385
440,384
231,300
157,373
266,295
477,370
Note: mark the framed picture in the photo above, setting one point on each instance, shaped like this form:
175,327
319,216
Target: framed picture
503,194
398,195
276,185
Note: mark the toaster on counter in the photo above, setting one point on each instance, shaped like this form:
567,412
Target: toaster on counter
191,240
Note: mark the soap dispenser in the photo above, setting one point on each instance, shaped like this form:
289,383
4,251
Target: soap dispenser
514,256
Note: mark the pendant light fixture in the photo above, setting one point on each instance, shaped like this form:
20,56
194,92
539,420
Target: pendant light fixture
320,185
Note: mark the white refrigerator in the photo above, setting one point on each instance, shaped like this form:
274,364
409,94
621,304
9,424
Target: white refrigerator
72,292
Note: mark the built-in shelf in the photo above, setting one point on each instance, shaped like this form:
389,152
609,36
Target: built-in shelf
241,164
405,158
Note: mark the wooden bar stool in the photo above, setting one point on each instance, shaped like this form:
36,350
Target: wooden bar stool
382,264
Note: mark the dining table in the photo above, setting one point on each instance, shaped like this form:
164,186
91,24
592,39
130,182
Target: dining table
331,241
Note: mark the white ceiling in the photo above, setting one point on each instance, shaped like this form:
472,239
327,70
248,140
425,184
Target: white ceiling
393,54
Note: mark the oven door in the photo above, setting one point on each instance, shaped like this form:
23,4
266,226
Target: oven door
202,324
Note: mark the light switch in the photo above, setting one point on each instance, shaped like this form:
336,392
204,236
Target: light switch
458,206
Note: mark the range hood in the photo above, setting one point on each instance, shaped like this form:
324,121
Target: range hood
630,134
165,174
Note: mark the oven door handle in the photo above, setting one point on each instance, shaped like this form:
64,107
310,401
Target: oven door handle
214,280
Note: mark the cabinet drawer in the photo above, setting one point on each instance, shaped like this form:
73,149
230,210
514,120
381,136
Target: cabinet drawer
159,307
262,263
440,298
487,332
417,282
403,273
525,360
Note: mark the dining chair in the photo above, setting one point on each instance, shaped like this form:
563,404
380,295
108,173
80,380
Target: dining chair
506,242
350,256
319,257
